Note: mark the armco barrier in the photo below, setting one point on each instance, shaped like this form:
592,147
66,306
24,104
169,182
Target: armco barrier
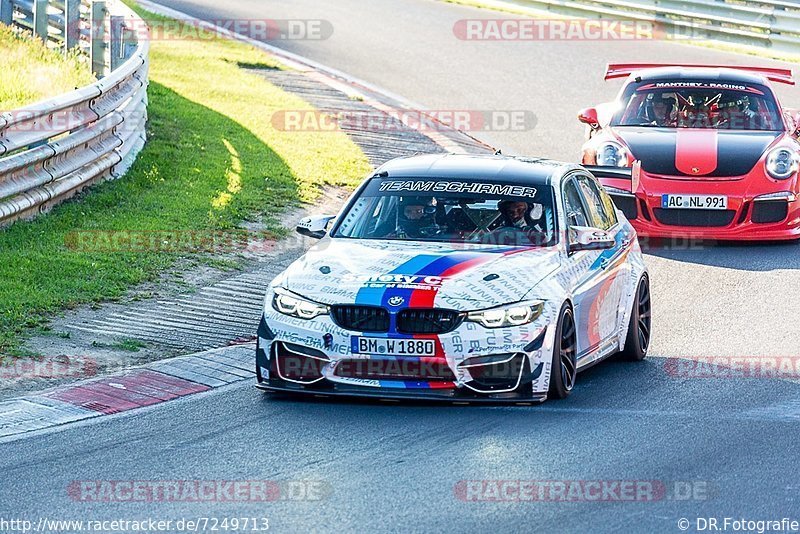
774,24
52,149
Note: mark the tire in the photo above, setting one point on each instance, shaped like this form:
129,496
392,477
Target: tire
637,342
563,369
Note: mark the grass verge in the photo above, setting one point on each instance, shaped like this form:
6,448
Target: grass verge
212,161
32,72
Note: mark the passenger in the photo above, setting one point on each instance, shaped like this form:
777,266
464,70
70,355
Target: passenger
518,214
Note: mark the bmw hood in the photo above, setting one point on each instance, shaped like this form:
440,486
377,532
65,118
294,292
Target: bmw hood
417,274
694,152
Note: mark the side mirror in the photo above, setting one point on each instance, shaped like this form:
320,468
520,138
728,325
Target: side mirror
588,238
793,118
589,116
315,227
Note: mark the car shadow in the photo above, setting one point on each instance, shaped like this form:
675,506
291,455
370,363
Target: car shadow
655,386
744,256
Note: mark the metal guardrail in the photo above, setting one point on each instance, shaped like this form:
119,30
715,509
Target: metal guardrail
774,24
52,149
86,25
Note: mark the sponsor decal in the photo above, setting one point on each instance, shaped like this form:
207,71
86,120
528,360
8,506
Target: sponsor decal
440,186
700,85
396,281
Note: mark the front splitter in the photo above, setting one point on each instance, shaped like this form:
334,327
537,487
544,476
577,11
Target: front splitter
417,395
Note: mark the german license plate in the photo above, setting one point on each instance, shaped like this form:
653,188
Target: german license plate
696,202
393,347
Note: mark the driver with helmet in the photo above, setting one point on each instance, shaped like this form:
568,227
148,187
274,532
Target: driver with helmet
661,110
416,217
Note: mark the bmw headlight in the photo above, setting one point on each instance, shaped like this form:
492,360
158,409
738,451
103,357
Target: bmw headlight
782,163
611,154
515,314
289,303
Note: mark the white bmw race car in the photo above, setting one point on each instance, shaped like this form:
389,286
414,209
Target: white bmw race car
458,278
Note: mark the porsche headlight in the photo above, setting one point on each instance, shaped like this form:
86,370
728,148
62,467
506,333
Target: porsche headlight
611,154
515,314
782,163
294,305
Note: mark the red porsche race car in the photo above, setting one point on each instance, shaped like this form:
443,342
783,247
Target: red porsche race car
714,154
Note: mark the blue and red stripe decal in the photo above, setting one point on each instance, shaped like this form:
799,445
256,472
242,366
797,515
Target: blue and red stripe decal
443,266
423,296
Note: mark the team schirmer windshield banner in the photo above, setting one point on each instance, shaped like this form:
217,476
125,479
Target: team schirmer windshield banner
460,187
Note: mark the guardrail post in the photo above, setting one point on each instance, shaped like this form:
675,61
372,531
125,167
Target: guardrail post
97,21
6,12
40,22
130,40
117,34
72,24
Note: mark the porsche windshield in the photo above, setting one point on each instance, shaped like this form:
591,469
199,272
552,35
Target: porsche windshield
452,211
716,105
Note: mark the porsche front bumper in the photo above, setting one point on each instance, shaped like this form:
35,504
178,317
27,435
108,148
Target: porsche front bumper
751,214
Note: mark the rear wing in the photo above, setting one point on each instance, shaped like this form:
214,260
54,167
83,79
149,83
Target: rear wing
622,173
622,70
632,173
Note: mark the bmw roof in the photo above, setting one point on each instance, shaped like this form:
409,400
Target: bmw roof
473,166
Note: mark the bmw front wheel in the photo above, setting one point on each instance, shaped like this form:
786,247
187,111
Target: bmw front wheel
565,356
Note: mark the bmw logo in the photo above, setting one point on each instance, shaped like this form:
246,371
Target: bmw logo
396,301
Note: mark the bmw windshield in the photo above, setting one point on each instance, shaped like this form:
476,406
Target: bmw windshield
723,106
455,210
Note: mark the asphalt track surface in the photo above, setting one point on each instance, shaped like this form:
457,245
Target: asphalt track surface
395,467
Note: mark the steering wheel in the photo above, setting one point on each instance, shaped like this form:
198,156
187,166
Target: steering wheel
431,231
